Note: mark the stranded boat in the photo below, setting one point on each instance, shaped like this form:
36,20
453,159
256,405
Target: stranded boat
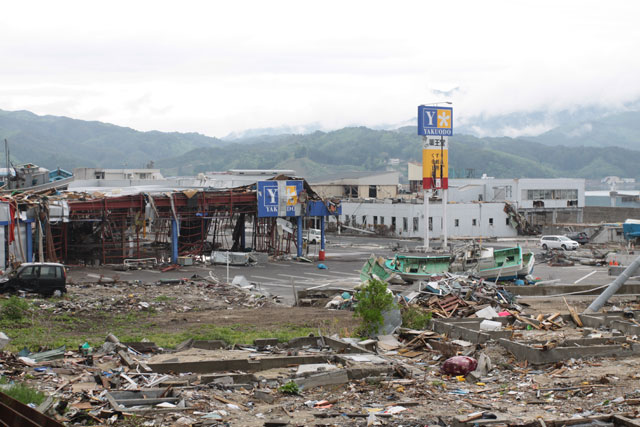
502,264
412,268
487,263
528,260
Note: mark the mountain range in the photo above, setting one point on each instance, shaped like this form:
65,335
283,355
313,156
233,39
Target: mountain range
591,143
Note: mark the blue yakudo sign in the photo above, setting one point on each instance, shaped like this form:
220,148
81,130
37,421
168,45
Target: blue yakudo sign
435,120
278,198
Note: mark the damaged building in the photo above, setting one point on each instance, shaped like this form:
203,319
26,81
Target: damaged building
108,225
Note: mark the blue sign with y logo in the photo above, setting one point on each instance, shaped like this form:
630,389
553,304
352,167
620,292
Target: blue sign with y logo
435,120
278,198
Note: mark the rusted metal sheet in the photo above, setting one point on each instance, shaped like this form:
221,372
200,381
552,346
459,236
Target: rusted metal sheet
14,414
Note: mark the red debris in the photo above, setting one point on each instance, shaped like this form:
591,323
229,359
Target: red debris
459,365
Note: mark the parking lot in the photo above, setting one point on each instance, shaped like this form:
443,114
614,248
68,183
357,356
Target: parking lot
345,256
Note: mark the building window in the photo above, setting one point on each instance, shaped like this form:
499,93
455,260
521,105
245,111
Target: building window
552,194
405,224
507,221
351,191
353,219
381,220
474,222
373,191
375,220
430,223
456,223
490,221
393,222
99,175
508,191
364,220
415,223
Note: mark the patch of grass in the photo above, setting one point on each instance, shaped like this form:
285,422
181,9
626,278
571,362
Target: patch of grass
235,334
163,298
15,308
24,394
47,329
415,317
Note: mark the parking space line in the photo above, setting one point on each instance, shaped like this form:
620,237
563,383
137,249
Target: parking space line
295,277
270,278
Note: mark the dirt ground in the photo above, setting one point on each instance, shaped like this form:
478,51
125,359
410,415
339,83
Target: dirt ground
177,307
512,390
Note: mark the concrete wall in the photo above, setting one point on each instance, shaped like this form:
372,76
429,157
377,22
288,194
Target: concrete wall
338,190
414,171
598,214
326,191
483,213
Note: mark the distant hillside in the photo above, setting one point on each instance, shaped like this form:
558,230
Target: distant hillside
365,149
51,142
63,142
621,130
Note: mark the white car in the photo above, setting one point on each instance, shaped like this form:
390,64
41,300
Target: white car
558,242
312,235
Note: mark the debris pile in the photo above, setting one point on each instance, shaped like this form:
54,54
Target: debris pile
413,377
165,295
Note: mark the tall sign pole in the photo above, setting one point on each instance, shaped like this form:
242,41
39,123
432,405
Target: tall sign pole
435,124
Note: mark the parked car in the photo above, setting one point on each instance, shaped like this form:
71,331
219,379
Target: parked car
312,235
44,278
558,242
580,237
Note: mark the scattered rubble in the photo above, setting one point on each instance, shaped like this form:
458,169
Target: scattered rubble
454,373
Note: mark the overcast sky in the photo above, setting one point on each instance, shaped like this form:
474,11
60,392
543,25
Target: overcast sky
217,67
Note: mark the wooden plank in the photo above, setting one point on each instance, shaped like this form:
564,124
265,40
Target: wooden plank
573,313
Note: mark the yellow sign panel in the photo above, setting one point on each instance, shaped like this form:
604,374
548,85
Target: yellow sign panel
435,163
292,195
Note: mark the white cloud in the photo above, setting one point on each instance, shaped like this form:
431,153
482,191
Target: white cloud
217,67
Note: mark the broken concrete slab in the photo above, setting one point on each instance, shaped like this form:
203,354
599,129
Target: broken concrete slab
468,329
388,342
264,395
323,379
314,368
246,365
265,342
363,358
4,340
593,347
237,378
141,401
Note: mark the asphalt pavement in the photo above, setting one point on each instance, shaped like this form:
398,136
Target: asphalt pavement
345,256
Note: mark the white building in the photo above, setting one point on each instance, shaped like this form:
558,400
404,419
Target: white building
475,208
541,200
406,219
116,174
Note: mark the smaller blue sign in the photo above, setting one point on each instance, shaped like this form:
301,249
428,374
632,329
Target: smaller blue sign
278,198
435,120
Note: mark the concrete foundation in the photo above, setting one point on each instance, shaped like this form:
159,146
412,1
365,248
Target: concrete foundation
246,365
468,330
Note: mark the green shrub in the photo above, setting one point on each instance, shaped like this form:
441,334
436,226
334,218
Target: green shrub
289,388
415,317
372,301
15,308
